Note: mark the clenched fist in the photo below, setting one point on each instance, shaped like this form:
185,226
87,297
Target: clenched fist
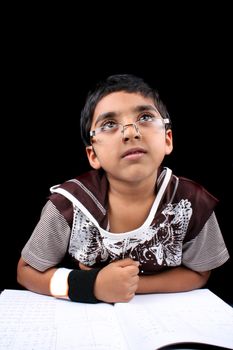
118,281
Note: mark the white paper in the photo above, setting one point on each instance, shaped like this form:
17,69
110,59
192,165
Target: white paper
162,319
32,321
27,321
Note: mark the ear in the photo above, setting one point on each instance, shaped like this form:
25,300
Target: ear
92,157
169,141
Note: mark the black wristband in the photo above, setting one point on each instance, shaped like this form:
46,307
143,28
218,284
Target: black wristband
81,285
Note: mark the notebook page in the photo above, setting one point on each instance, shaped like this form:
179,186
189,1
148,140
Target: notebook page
33,321
156,320
88,327
27,321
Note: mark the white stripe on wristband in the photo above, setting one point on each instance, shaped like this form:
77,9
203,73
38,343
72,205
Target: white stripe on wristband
59,283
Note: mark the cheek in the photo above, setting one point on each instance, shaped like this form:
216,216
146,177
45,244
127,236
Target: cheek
107,157
159,146
106,154
158,141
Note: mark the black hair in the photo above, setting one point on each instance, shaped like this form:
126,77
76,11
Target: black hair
119,82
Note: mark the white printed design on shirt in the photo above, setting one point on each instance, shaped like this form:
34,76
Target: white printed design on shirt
157,245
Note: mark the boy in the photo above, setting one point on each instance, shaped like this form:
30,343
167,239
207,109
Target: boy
128,226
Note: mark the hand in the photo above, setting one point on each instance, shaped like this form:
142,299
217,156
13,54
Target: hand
118,281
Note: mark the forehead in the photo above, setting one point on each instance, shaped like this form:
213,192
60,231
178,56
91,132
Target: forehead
120,102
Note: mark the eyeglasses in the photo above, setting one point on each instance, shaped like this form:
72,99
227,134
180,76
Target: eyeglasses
146,122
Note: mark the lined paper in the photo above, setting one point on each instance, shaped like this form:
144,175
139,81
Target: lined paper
30,321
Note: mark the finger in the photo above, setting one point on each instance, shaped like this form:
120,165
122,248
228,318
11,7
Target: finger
132,289
132,270
126,262
134,283
130,296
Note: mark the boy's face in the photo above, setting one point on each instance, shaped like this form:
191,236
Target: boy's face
136,153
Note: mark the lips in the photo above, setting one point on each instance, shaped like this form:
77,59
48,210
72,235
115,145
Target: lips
133,151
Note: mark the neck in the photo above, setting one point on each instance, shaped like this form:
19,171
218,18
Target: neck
133,191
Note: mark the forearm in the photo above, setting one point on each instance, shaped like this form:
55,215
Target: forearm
34,280
173,280
116,282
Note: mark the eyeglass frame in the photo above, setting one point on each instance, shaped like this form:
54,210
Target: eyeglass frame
166,121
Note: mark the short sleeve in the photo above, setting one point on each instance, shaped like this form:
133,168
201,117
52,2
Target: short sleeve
49,241
207,250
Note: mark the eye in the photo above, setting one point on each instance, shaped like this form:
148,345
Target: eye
146,117
109,125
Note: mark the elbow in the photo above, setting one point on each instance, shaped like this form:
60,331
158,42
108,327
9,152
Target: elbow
20,272
203,278
19,277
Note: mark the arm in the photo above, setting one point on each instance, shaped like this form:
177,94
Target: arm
178,279
117,282
33,279
44,250
206,251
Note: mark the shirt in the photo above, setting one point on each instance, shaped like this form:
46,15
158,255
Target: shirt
181,228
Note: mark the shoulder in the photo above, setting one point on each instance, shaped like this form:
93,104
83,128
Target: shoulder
202,203
90,182
182,188
195,191
88,188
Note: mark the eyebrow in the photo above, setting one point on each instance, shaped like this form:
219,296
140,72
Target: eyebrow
137,109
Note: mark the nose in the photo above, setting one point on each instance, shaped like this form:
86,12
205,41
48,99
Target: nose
130,131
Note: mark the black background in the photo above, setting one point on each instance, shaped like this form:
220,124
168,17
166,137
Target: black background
49,65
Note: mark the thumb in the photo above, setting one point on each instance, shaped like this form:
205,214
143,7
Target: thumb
126,262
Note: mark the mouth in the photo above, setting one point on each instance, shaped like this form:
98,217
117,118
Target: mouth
133,153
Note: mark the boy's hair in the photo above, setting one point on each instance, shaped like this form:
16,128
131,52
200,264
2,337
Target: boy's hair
119,82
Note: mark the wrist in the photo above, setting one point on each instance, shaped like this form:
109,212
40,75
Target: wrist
81,285
59,283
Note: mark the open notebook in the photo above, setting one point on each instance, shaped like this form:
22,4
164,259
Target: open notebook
148,322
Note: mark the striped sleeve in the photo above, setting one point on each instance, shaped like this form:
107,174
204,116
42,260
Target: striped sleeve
207,250
49,241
